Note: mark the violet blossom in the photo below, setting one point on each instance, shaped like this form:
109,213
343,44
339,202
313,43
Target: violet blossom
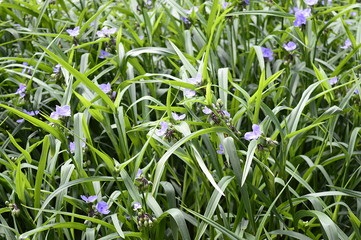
163,128
63,111
89,199
178,117
267,53
255,134
105,87
73,32
347,44
102,207
290,46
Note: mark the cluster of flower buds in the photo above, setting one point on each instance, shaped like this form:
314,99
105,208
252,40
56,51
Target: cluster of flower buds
266,144
142,183
219,116
14,209
143,219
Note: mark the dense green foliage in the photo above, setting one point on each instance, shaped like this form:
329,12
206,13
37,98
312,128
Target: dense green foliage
202,177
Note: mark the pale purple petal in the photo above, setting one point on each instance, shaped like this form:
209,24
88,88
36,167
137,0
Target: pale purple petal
189,93
72,147
105,87
178,117
290,46
102,207
100,34
73,32
92,198
333,81
54,115
311,2
56,69
221,151
139,173
196,80
206,110
103,54
163,129
226,113
63,111
347,44
137,206
255,134
225,5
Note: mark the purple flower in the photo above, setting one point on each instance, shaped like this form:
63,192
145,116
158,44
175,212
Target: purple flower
226,113
61,112
356,91
24,69
225,5
195,9
328,2
189,93
105,87
311,2
139,173
221,151
185,20
21,90
178,117
73,32
72,145
163,129
255,134
102,207
105,32
301,16
56,69
353,14
333,81
103,54
89,199
30,113
206,110
137,206
141,37
246,2
195,81
347,44
267,53
290,46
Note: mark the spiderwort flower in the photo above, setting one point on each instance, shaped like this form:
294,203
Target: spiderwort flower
353,14
189,93
89,199
267,53
221,151
24,69
178,117
21,90
185,20
290,46
333,81
73,32
328,2
105,32
72,146
195,81
347,44
163,129
103,54
255,134
206,110
356,91
102,207
56,69
195,9
139,173
225,5
226,113
105,87
30,113
61,112
311,2
137,206
301,16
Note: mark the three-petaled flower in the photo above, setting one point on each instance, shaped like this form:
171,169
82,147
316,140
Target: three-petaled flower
21,90
333,81
347,44
290,46
89,199
30,113
221,149
137,206
105,87
163,129
63,111
102,207
73,32
105,32
255,134
267,53
301,16
311,2
178,117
